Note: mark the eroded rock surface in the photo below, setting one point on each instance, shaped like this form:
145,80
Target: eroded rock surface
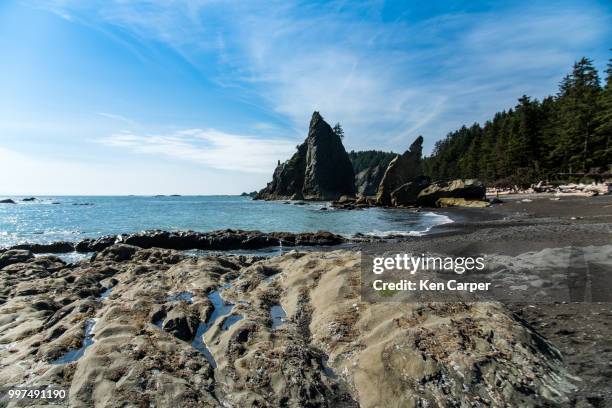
331,349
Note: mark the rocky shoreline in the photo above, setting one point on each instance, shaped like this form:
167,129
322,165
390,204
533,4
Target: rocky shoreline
220,240
321,170
153,326
143,325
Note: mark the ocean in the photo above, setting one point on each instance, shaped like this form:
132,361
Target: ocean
72,218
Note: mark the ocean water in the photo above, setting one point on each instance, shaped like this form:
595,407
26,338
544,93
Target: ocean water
76,217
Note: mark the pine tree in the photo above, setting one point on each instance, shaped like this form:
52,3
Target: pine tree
338,130
603,151
578,105
568,132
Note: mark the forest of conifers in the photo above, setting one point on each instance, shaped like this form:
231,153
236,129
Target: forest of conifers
536,140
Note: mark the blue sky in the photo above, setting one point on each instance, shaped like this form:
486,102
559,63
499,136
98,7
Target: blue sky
204,96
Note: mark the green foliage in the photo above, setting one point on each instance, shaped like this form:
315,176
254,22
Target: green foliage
370,158
338,130
569,132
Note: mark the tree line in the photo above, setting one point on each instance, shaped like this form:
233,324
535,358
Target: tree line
370,158
564,135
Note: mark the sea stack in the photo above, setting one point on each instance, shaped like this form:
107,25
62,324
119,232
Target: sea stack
401,170
319,170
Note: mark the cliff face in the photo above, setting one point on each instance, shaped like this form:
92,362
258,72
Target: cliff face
319,170
288,178
401,170
368,180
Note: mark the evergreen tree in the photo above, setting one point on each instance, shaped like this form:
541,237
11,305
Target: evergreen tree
603,150
568,132
578,105
338,130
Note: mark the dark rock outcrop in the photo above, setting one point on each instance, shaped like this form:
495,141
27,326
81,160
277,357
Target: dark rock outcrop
401,170
54,247
117,253
407,194
368,180
329,172
7,201
29,199
220,240
319,170
181,323
288,178
228,239
13,256
469,189
97,244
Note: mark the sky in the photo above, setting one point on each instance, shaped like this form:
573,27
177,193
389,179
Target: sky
205,96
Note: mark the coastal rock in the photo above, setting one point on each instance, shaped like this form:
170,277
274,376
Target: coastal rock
54,247
346,199
297,196
329,172
330,348
368,180
182,323
220,240
319,170
407,194
7,201
215,240
319,238
288,178
401,170
469,189
29,199
461,202
13,256
117,253
94,245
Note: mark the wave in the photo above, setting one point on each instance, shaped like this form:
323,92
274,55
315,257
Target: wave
443,219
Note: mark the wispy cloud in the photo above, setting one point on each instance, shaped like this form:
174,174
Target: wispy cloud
119,118
209,148
386,80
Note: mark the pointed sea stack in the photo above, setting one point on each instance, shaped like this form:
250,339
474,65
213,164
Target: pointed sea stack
401,170
319,170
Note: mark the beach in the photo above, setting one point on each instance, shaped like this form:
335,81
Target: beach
239,329
581,330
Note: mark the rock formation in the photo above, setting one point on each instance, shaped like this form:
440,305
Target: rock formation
469,189
14,256
153,327
368,180
288,178
402,169
461,202
220,240
319,170
407,194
